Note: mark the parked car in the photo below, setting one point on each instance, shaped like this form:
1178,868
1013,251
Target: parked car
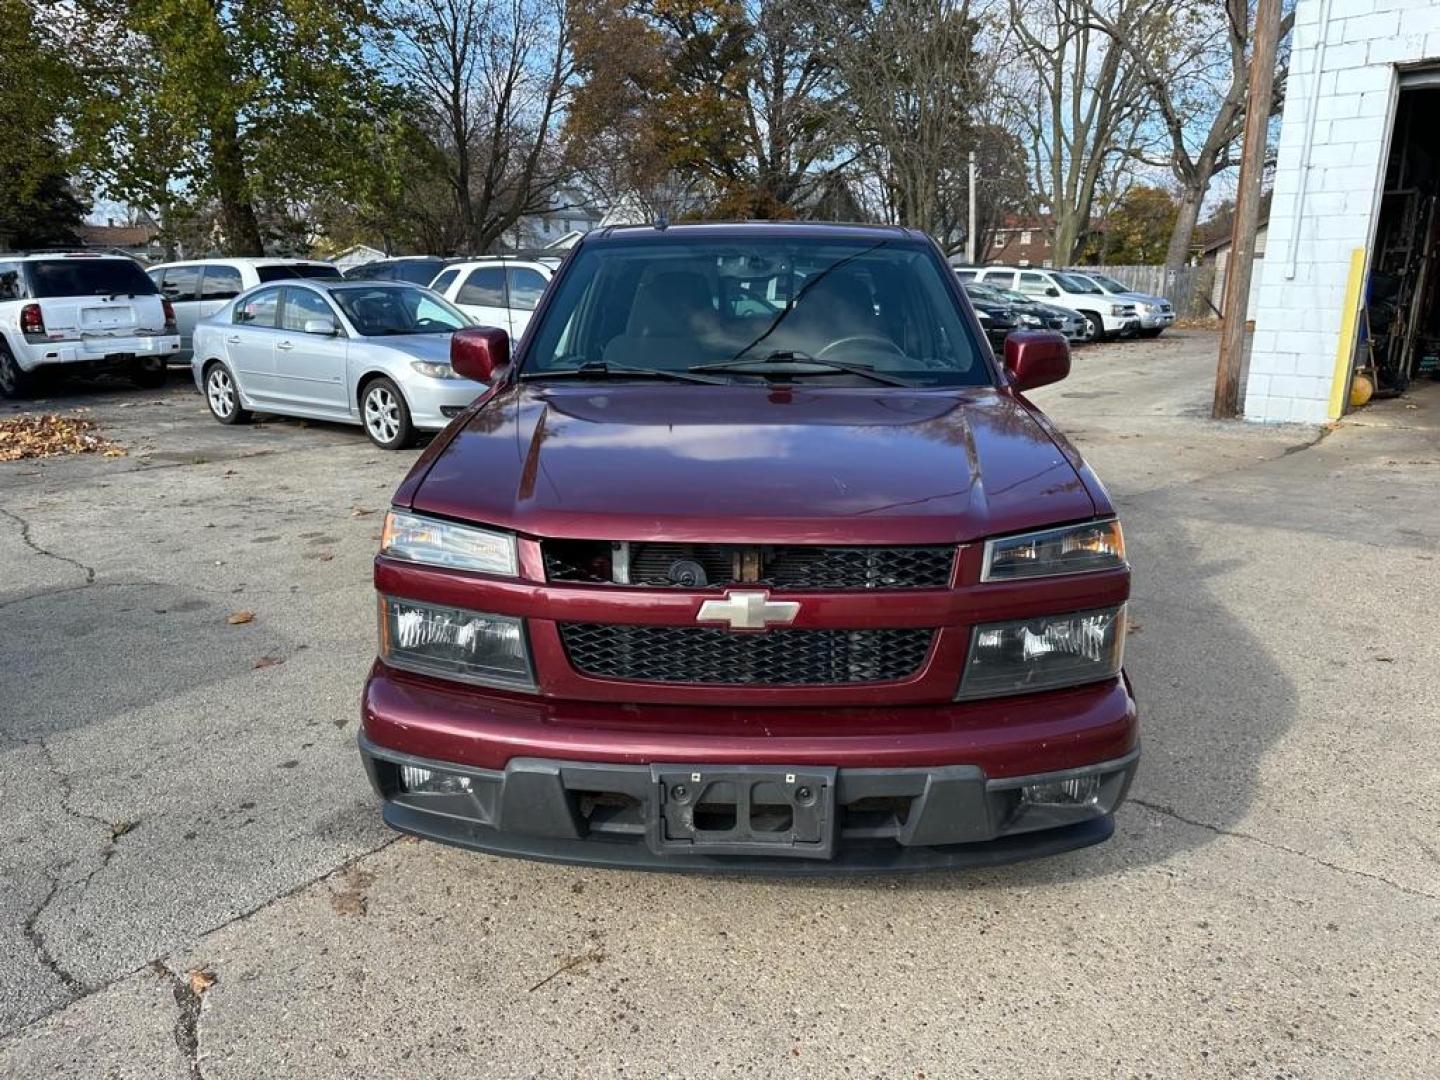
370,353
496,291
1105,316
80,313
415,269
998,318
1039,316
198,288
699,586
1156,313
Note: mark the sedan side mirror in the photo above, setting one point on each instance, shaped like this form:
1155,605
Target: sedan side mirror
323,327
1036,358
477,351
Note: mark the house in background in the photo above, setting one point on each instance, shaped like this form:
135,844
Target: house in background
1021,242
570,211
138,241
357,255
1217,252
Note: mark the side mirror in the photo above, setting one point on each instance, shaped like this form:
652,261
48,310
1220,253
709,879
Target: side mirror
477,351
323,327
1052,291
1036,358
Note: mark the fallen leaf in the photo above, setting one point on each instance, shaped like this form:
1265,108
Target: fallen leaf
120,828
360,511
269,661
235,618
326,556
1385,659
200,980
49,435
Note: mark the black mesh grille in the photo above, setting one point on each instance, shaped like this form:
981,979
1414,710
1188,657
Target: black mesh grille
791,566
683,654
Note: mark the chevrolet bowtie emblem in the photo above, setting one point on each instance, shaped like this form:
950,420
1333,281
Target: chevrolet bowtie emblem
748,610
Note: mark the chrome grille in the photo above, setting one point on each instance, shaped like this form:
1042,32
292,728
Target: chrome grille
685,654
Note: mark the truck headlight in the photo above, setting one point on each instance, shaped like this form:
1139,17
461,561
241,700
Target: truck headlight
1044,653
454,643
1117,309
1071,549
442,543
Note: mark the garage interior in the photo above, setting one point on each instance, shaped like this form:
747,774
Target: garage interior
1399,335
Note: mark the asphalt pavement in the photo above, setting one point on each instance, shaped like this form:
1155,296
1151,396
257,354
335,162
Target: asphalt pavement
196,882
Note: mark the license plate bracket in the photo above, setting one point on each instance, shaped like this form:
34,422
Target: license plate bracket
744,810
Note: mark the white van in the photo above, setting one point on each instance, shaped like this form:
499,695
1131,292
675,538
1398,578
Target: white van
197,288
1105,316
496,292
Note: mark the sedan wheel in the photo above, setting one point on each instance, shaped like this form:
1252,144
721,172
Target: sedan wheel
222,397
386,417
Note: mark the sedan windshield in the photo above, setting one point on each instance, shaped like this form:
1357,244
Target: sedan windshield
1109,283
391,310
852,311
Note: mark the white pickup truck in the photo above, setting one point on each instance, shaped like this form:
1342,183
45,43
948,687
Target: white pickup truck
80,312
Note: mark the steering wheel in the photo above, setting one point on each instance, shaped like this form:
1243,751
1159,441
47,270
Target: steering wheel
862,339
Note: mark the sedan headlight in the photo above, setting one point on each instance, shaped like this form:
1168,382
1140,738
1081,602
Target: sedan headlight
1071,549
443,543
434,370
1031,320
1044,653
454,643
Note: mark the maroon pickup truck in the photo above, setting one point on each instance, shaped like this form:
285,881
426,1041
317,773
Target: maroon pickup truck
753,557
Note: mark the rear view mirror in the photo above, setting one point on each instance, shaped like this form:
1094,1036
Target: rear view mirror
1052,291
323,327
1036,358
476,352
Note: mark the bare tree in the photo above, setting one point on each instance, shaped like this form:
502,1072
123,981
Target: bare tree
489,78
1193,59
1073,92
911,75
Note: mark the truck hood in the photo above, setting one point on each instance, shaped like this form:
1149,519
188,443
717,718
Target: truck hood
753,464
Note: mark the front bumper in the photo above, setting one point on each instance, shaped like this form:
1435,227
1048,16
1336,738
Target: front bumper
434,402
97,349
598,814
914,787
1158,320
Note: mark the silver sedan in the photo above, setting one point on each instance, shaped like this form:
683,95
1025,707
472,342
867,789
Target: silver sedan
369,353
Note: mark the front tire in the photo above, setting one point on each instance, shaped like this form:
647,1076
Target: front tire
1094,327
15,383
386,416
222,395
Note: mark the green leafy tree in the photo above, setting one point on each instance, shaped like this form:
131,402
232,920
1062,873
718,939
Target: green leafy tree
38,206
256,106
1137,230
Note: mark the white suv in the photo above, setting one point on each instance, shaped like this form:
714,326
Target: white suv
1105,316
199,288
496,292
80,312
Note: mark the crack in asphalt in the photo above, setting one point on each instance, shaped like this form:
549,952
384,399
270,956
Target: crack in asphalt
29,541
36,938
187,1023
1220,830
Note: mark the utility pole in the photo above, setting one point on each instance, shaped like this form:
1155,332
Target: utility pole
1247,211
970,229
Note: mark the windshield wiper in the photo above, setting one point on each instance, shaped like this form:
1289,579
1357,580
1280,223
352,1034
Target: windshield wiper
598,369
799,364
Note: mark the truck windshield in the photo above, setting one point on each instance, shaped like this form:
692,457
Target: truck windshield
87,277
814,305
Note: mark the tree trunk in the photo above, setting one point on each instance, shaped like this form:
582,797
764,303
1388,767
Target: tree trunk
1186,217
238,224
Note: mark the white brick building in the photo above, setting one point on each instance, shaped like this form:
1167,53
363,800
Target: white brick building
1357,179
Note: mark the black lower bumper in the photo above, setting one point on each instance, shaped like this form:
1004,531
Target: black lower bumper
802,820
